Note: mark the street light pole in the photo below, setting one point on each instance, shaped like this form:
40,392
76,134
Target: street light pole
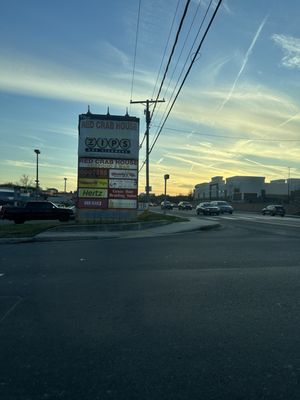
166,177
288,183
37,152
65,184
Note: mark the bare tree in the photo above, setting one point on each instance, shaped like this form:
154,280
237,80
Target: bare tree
25,181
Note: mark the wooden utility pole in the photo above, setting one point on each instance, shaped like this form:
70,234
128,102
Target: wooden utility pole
148,120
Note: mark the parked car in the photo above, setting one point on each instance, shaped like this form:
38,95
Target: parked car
207,209
273,209
35,210
223,206
166,205
184,205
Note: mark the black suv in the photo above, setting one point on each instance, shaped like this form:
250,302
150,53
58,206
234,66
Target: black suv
273,209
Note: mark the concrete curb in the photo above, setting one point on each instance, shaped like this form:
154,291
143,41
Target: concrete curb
133,226
92,234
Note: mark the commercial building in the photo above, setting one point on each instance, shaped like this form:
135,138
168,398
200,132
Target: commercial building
246,188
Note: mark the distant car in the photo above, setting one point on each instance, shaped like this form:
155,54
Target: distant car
207,209
223,206
166,205
273,209
185,205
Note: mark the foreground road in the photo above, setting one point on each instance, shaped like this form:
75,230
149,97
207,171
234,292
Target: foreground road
208,315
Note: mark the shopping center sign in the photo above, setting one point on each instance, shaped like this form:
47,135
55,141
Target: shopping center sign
108,150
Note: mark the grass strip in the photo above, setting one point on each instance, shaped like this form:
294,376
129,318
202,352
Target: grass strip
32,229
24,230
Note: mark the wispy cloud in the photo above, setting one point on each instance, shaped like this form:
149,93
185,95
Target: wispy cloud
292,118
244,63
31,76
291,49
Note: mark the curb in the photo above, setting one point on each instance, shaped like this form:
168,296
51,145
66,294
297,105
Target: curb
133,226
104,235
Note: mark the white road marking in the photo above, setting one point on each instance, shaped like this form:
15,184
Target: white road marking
11,309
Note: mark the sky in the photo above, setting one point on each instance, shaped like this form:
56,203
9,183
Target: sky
238,112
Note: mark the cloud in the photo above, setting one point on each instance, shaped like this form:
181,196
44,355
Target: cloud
31,76
291,49
244,63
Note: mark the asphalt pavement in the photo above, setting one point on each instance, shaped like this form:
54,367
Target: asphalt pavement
210,315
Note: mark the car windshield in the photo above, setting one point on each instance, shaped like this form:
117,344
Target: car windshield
150,200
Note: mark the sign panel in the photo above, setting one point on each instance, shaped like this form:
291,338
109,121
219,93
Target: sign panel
109,138
114,203
93,183
93,173
122,174
86,192
122,193
92,162
92,203
123,183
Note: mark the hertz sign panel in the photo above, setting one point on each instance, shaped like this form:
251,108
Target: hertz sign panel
108,152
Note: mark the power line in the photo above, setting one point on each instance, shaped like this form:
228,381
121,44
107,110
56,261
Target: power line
135,48
189,54
172,52
187,73
163,57
183,46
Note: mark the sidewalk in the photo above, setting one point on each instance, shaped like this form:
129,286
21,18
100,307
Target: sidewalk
140,230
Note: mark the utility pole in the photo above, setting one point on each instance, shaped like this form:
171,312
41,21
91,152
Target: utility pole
148,120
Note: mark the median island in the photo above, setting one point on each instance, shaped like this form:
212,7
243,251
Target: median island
11,230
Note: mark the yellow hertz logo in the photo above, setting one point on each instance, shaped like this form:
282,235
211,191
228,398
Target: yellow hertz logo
103,145
86,192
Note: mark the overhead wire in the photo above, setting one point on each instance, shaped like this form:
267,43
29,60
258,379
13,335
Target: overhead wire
172,52
187,73
135,48
183,46
165,51
188,56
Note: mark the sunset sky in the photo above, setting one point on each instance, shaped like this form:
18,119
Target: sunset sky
238,112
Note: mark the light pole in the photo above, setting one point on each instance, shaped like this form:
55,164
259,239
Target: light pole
37,152
166,177
288,183
65,184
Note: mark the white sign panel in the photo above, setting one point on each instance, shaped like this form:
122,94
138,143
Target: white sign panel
109,138
92,162
116,203
122,174
123,183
